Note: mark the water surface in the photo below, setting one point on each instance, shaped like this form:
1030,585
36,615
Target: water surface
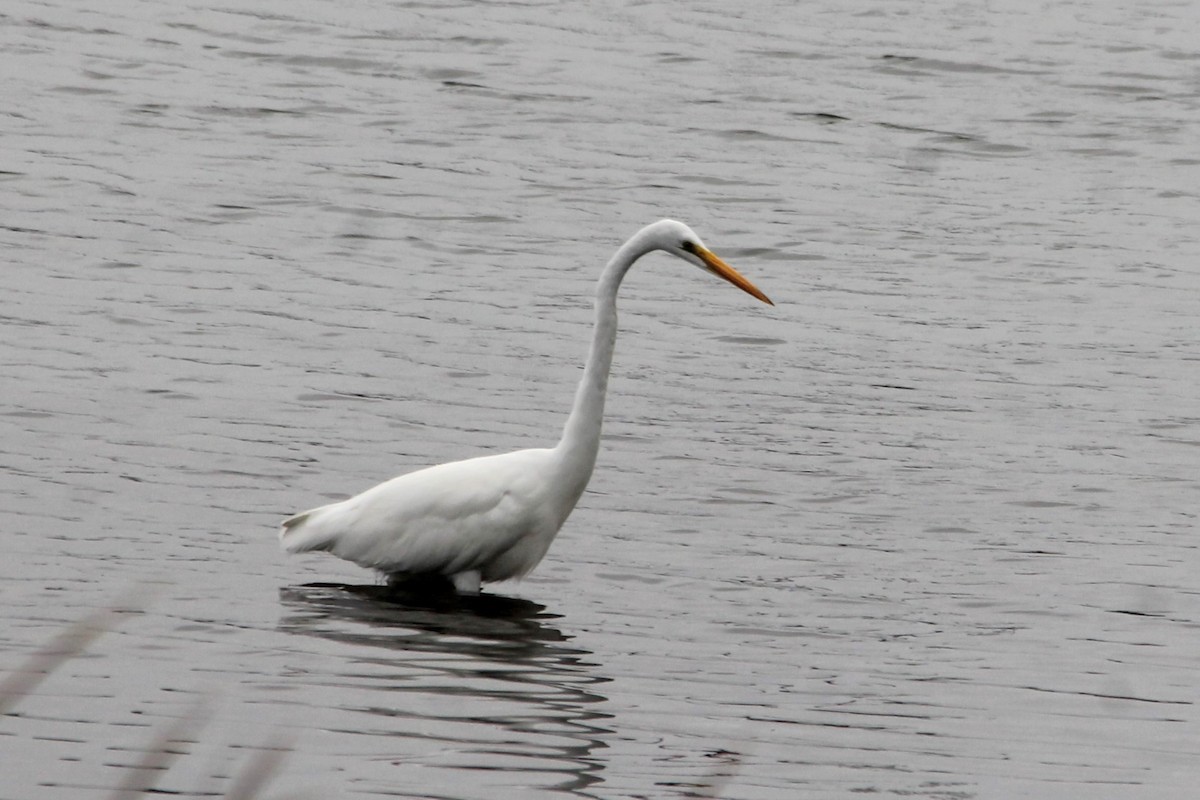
924,529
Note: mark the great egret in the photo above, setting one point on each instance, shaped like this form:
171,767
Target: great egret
492,518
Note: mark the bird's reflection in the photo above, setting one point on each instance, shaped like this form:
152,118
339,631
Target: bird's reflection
491,659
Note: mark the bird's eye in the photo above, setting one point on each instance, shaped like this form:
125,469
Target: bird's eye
688,247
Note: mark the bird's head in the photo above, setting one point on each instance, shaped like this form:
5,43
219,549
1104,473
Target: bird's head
681,241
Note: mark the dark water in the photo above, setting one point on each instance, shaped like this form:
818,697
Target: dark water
925,529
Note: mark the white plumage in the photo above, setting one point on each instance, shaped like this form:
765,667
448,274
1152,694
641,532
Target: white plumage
492,518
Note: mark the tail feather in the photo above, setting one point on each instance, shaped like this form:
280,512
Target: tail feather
303,533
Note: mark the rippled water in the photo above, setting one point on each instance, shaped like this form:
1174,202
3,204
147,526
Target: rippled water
924,529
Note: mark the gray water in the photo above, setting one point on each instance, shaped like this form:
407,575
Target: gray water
924,529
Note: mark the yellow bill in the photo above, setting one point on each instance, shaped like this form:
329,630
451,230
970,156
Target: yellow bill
720,268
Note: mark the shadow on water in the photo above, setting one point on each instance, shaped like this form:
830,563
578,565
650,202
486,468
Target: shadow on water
449,661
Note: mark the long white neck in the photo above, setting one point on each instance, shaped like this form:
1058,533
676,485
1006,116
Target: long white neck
581,436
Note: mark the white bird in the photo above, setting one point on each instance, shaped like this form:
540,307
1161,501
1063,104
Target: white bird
493,518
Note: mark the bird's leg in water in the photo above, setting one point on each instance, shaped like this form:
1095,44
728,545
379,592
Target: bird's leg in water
432,583
467,582
420,583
